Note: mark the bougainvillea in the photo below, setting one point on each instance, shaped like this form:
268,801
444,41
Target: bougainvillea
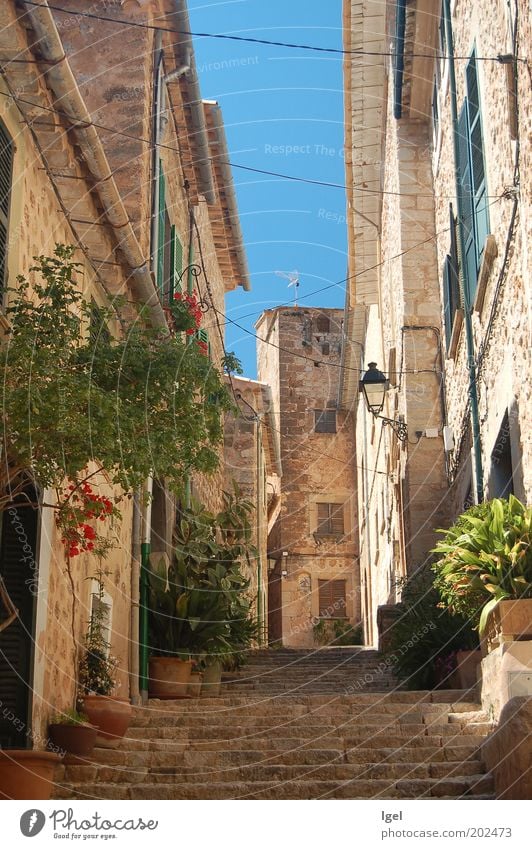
186,313
81,505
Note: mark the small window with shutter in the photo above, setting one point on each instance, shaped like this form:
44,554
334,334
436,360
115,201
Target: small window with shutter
330,519
6,175
325,421
332,599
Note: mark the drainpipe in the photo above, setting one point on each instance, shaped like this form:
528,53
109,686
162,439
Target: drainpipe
260,606
473,399
135,604
399,58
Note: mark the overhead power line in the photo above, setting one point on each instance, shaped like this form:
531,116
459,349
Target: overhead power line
250,40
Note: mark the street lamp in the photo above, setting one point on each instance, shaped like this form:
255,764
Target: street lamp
374,385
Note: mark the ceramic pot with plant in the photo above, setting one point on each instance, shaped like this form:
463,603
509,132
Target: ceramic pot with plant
27,774
110,714
485,559
72,733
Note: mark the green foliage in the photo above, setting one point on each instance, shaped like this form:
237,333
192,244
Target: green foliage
97,666
487,557
70,717
425,634
200,606
337,632
231,364
136,404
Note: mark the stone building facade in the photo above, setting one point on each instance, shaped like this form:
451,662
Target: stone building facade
110,149
313,543
438,165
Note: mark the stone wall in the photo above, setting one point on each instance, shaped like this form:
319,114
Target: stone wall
36,225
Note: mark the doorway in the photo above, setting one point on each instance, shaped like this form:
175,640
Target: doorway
19,570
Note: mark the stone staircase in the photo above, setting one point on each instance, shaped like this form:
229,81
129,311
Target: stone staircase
328,724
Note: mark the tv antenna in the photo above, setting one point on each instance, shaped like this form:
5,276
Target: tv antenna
293,277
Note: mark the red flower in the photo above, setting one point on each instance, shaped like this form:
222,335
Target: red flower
88,532
90,546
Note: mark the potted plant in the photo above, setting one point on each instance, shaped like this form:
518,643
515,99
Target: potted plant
423,640
200,605
485,569
110,714
72,733
27,773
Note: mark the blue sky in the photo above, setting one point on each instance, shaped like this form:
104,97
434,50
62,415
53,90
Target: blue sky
283,111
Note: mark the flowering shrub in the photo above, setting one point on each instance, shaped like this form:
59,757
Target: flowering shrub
186,313
80,506
203,346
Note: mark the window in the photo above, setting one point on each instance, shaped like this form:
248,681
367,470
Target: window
451,287
330,519
325,421
6,171
332,599
323,324
325,349
474,219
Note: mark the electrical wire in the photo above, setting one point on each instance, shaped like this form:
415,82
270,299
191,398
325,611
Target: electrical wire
248,39
263,171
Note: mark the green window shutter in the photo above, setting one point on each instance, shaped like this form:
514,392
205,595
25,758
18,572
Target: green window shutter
469,260
161,230
203,336
6,173
177,261
478,169
451,284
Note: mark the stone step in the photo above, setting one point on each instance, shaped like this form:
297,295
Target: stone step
453,699
303,734
403,788
221,757
335,771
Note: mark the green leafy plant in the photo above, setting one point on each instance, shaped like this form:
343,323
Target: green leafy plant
97,666
424,635
70,717
138,400
346,634
200,605
486,558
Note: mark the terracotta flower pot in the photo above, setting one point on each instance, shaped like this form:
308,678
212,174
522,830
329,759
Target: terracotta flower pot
77,741
212,679
169,677
110,715
26,774
510,620
194,686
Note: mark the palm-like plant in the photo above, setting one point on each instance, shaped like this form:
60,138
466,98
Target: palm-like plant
486,558
200,605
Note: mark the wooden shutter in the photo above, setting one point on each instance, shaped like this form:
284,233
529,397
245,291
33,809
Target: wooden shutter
469,267
330,519
451,284
6,173
161,240
478,169
332,599
19,571
177,261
